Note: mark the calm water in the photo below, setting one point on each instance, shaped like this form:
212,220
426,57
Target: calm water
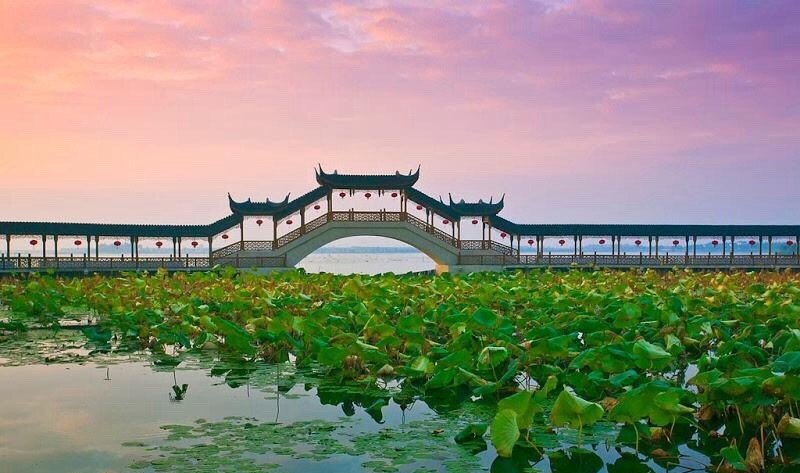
65,411
366,263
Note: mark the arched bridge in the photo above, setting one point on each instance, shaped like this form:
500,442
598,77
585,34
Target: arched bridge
459,236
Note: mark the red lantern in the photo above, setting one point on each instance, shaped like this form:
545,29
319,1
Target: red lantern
316,207
78,242
638,242
715,242
789,243
259,222
225,236
503,235
675,242
117,243
752,242
602,241
368,195
530,242
342,194
394,194
419,207
445,221
474,222
159,244
34,242
194,244
561,242
289,222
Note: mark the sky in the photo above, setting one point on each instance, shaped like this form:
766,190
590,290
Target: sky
587,111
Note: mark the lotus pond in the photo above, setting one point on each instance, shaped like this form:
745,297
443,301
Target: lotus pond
545,371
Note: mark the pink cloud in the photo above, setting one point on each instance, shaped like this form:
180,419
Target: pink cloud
167,91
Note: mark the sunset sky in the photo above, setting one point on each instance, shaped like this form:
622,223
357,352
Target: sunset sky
580,111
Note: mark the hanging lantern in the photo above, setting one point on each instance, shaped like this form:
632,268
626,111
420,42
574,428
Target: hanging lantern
368,195
445,221
474,222
675,242
715,242
225,236
394,194
159,244
752,242
638,242
34,242
530,242
316,207
289,222
342,194
117,243
194,244
789,243
419,207
602,241
78,242
561,242
259,222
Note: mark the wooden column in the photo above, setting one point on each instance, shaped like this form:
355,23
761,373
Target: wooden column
733,245
613,244
687,246
97,247
302,220
575,244
274,230
241,234
769,245
210,249
174,247
694,246
133,248
580,244
180,240
8,246
656,246
55,246
44,246
724,245
649,246
761,245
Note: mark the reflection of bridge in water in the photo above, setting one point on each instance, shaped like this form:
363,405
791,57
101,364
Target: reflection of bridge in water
458,236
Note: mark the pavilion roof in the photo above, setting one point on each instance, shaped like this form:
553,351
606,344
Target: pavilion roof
277,209
477,209
366,181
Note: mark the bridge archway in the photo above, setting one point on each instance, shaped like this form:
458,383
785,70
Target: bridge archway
367,255
443,254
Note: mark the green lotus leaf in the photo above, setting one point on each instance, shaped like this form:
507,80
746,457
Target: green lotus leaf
505,432
572,411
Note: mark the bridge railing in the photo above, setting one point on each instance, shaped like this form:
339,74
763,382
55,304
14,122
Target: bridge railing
641,260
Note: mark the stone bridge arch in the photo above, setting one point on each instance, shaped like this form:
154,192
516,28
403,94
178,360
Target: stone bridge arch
443,254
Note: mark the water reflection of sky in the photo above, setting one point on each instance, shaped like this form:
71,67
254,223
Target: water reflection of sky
69,418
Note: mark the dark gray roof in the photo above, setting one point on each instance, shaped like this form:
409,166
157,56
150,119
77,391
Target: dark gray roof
114,229
366,182
550,229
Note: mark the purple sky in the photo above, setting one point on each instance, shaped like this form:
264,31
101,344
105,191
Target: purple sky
580,111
